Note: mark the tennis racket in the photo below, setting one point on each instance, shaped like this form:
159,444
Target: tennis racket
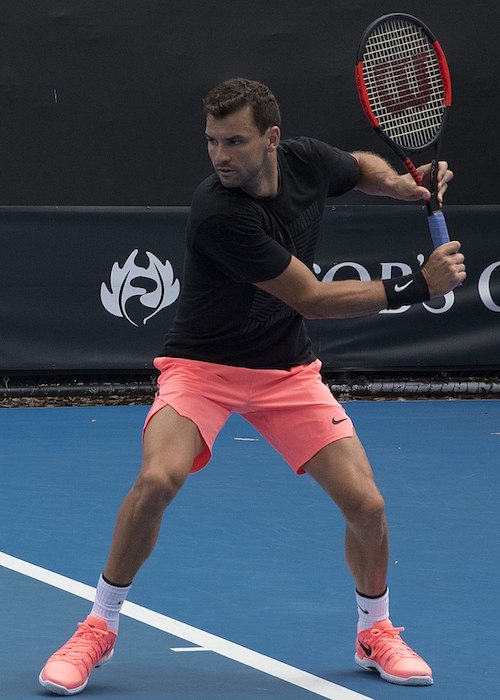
404,86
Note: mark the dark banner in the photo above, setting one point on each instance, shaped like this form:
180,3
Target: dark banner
95,289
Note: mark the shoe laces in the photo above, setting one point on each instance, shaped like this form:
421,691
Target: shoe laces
387,643
87,645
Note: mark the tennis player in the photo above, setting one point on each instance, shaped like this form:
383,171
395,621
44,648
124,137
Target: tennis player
239,344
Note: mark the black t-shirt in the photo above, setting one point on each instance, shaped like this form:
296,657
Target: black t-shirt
234,240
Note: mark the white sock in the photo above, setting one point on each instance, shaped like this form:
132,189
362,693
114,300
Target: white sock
372,610
108,602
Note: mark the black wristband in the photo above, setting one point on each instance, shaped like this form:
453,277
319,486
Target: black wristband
405,290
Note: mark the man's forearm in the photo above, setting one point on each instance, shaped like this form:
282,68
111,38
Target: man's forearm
377,176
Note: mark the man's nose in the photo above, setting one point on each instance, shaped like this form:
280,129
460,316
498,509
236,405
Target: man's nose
220,155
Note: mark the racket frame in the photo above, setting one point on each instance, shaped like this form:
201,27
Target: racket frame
400,151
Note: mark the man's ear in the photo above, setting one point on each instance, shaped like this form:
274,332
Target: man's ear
274,138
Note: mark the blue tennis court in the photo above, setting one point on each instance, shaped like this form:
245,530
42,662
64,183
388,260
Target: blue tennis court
246,595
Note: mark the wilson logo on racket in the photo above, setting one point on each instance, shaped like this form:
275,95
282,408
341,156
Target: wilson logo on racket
122,289
414,87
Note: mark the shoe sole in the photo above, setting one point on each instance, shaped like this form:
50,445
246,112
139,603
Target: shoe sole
369,665
62,690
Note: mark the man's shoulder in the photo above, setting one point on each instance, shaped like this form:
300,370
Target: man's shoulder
211,189
315,160
210,196
312,152
215,203
304,145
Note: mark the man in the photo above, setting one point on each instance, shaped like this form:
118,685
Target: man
239,344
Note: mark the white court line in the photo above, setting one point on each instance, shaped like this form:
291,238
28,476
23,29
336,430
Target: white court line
266,664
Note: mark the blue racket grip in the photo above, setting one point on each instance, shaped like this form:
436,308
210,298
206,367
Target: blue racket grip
438,228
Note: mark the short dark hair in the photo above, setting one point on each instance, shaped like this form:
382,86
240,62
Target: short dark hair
231,95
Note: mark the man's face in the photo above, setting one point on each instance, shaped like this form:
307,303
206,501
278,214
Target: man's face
240,154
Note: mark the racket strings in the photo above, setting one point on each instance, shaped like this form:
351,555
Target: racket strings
404,84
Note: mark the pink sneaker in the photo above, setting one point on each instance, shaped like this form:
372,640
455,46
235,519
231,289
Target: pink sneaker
380,648
67,671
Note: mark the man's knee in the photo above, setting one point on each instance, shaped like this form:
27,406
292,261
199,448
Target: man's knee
157,486
366,509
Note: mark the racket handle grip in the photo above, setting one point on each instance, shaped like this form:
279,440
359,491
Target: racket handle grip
438,228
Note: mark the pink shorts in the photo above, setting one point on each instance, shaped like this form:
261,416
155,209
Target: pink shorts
292,409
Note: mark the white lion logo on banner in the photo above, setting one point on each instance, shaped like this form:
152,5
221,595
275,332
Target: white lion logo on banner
122,288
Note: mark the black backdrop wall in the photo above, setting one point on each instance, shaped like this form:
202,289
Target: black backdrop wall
100,100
